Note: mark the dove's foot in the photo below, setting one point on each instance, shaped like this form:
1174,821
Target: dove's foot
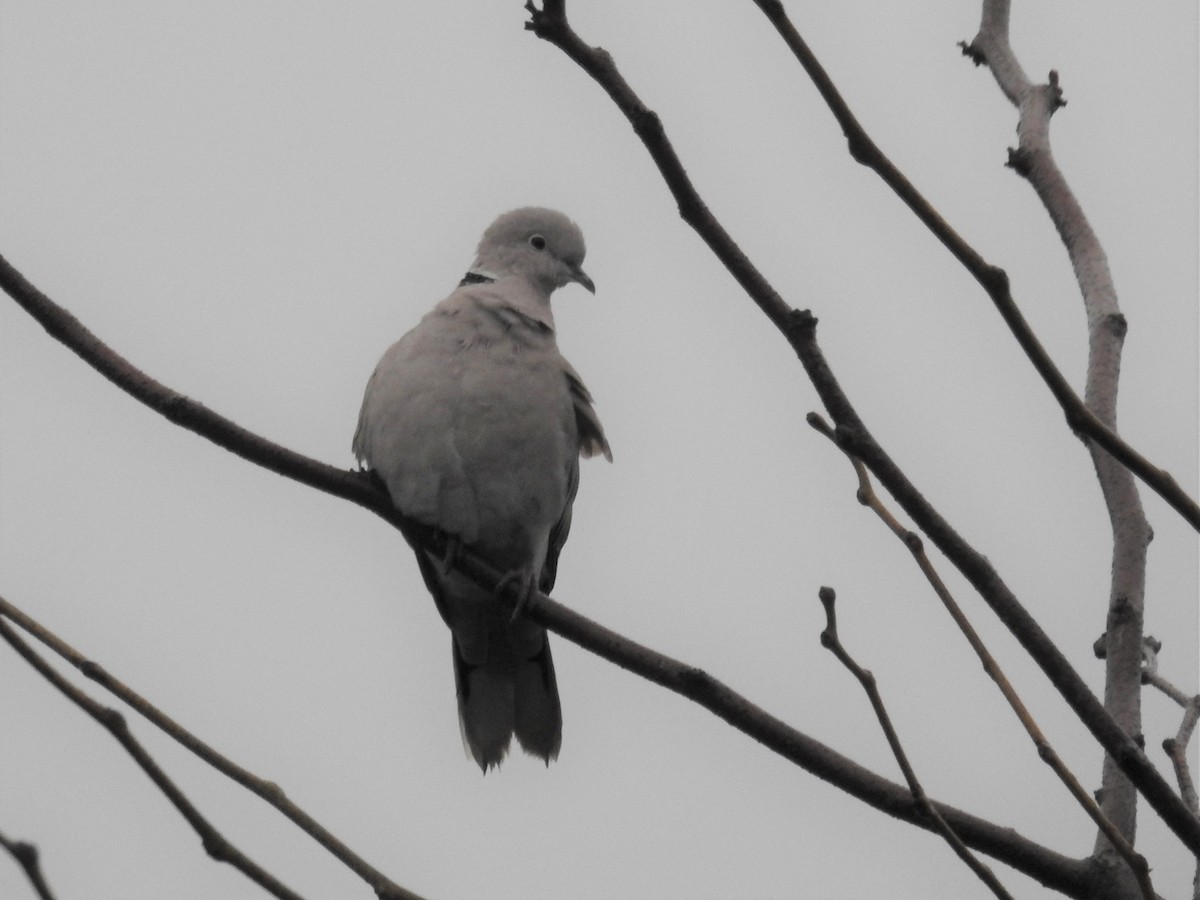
450,559
526,585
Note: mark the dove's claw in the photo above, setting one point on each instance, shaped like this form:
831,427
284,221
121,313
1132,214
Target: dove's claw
526,585
450,559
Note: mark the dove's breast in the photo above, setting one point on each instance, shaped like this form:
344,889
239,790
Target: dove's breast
470,422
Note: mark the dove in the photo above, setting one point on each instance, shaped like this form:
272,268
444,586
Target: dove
476,424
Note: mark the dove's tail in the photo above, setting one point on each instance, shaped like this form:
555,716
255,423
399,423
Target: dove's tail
506,696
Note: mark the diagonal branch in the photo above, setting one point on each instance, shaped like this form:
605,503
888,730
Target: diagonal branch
799,327
851,435
867,497
26,855
1176,747
830,640
991,278
1055,870
384,887
215,844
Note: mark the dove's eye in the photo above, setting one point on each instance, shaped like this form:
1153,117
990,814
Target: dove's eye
537,242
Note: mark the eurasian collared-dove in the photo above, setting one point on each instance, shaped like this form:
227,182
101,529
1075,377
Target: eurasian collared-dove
476,423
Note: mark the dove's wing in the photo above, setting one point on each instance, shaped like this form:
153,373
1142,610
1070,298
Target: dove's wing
591,442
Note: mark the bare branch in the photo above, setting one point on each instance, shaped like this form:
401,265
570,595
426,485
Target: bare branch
799,328
1034,160
187,413
831,641
26,856
383,886
991,278
1063,873
867,497
1176,750
1060,872
215,844
1175,747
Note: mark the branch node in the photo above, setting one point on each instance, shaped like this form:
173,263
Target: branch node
862,149
93,670
1117,324
800,325
995,281
216,848
827,596
1056,94
1020,161
26,854
1120,612
548,20
974,52
695,680
849,439
817,422
646,123
773,9
113,720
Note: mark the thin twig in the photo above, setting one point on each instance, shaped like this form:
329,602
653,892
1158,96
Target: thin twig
831,641
26,855
1176,750
215,844
1176,747
799,328
1055,870
991,278
1046,752
383,886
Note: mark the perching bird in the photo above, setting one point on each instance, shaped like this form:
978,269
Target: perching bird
476,424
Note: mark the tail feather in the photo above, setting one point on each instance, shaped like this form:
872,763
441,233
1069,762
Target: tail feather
504,696
538,720
485,709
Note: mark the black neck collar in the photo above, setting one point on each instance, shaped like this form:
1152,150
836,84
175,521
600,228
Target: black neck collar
476,278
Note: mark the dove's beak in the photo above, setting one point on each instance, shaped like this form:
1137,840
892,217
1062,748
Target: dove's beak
580,276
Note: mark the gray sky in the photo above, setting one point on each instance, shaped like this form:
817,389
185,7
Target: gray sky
250,201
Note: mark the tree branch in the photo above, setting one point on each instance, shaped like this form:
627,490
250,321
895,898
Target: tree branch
215,844
26,856
1176,747
991,278
799,327
1046,752
384,887
1069,876
831,641
1034,160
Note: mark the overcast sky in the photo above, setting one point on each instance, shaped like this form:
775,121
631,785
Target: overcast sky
250,201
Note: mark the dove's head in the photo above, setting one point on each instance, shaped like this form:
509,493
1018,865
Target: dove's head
540,245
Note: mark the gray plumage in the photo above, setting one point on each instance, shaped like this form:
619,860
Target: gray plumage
476,424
